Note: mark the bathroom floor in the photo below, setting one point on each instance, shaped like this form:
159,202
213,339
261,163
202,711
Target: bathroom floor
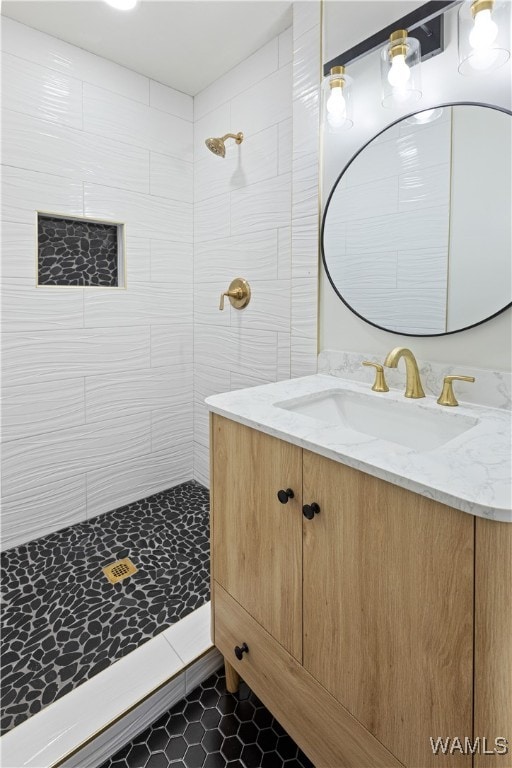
63,622
213,729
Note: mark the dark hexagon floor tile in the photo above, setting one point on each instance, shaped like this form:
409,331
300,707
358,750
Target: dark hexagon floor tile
229,738
62,622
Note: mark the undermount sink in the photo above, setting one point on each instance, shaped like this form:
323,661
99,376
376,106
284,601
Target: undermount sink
408,423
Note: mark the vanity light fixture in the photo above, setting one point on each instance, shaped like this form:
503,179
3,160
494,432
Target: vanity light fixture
338,100
400,69
484,35
122,5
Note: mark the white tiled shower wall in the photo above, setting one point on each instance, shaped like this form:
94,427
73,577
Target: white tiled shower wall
99,402
97,399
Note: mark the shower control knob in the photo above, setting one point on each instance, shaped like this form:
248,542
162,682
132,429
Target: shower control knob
283,496
240,650
310,510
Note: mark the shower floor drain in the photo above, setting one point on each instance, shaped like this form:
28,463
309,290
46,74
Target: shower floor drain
119,570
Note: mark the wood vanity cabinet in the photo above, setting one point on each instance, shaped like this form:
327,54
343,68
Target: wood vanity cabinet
358,624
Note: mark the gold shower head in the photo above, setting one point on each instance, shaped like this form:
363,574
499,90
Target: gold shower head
218,147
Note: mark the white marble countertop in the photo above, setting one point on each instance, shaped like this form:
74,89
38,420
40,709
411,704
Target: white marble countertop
471,472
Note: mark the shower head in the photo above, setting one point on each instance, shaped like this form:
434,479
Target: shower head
217,146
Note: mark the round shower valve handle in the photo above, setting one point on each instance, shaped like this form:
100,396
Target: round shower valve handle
283,495
240,650
238,293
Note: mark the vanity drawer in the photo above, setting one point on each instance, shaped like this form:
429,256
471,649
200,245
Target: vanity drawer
325,730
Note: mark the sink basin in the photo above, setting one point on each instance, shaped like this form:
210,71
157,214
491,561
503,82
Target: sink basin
408,423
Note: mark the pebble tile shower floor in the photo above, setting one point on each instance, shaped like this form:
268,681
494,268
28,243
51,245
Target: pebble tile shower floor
213,729
63,622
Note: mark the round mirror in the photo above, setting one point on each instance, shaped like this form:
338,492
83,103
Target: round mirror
416,234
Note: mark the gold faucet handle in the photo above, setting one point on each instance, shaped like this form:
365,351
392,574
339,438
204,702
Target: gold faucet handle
239,294
447,397
379,385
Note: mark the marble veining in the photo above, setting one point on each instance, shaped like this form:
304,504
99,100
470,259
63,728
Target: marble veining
491,388
471,472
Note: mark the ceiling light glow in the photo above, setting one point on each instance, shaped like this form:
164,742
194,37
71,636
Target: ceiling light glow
122,5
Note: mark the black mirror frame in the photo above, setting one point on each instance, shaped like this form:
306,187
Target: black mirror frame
331,193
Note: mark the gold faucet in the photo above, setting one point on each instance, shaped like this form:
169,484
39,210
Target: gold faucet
413,386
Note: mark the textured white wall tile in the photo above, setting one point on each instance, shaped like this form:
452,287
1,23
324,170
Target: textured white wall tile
25,192
208,380
171,344
363,270
253,160
285,129
41,92
18,251
172,101
127,481
201,464
303,356
144,215
207,302
55,355
305,248
40,145
172,262
42,510
264,104
36,408
242,381
306,91
142,303
252,256
306,15
384,232
404,310
422,269
69,60
28,308
365,201
253,69
283,356
247,351
269,308
172,427
32,461
304,307
171,177
212,218
424,187
116,117
284,271
138,259
262,206
122,394
285,47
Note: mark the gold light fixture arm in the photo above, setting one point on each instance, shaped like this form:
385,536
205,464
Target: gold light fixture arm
379,385
447,397
238,293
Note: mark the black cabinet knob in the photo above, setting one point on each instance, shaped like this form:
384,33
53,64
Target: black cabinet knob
310,510
283,496
240,650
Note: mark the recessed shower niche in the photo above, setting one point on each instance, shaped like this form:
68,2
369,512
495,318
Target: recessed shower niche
79,252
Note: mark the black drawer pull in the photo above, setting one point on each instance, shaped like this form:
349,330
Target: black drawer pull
283,496
240,650
310,510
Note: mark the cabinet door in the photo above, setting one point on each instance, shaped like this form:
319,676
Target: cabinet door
256,540
388,609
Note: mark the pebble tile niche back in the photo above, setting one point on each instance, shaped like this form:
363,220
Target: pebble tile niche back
79,252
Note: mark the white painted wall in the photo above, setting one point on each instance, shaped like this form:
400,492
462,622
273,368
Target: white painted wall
97,399
488,345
